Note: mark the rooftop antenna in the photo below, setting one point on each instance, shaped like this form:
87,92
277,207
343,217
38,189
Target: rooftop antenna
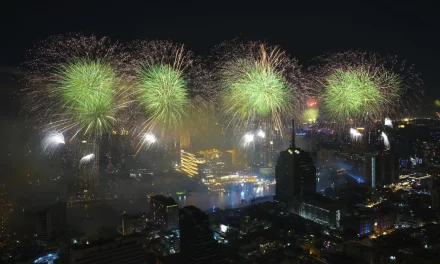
292,141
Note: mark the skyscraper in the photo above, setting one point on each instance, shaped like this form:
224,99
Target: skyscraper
295,174
51,222
381,168
165,212
197,242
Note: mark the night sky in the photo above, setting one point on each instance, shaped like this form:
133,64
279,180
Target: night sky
408,31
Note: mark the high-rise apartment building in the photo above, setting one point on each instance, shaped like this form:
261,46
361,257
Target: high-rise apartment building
127,250
51,222
295,174
197,242
165,212
381,168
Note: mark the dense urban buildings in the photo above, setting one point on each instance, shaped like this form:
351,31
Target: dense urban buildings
132,224
127,250
126,145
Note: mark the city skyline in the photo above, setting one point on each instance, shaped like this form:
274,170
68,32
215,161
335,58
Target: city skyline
149,133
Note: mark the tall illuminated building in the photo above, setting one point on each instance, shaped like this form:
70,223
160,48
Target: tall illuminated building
381,168
188,163
266,147
4,212
86,179
295,174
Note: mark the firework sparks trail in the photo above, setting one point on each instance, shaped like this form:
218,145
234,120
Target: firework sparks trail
365,86
386,142
74,85
87,158
388,122
261,134
310,115
168,88
258,84
51,142
355,134
149,138
247,140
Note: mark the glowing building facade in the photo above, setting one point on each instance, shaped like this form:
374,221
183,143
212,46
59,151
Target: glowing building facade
188,163
319,209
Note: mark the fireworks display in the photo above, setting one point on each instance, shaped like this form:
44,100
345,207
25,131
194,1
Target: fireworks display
364,87
261,134
310,115
355,134
73,85
247,140
87,159
388,122
386,142
87,87
166,85
51,142
256,85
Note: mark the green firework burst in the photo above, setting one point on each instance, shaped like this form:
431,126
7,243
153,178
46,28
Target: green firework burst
163,92
310,115
254,89
359,93
87,90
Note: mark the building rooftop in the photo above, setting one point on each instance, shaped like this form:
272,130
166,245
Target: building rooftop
167,201
315,197
191,209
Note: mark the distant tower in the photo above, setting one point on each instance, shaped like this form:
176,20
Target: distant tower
295,174
292,140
